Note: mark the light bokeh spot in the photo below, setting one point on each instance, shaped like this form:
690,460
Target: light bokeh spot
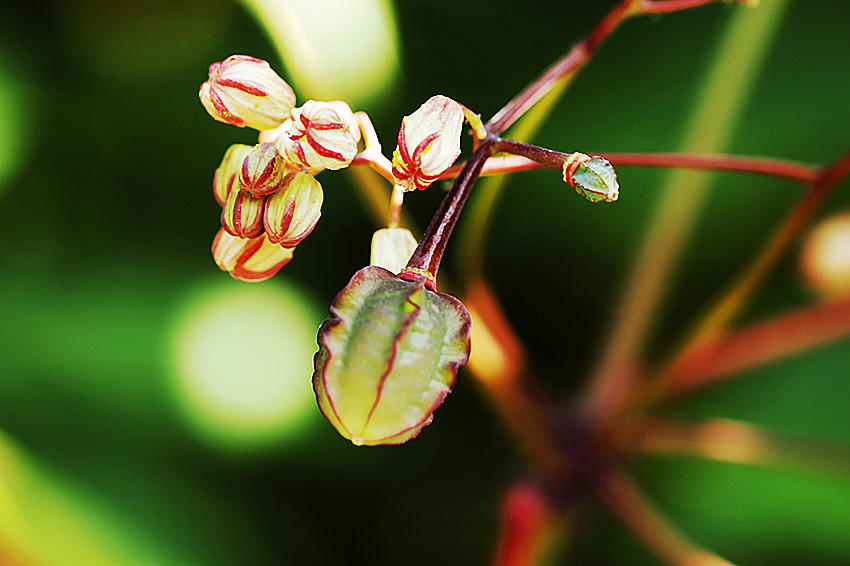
825,257
18,113
243,361
334,49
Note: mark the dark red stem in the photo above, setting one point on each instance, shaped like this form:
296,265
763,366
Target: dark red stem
545,157
429,253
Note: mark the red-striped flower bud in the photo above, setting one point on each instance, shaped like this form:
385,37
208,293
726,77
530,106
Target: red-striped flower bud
262,170
249,259
245,91
428,143
388,356
227,174
321,135
293,211
242,214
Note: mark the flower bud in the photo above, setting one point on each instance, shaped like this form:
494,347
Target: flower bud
242,214
428,143
228,172
249,259
262,170
293,211
388,356
245,91
320,135
392,247
593,177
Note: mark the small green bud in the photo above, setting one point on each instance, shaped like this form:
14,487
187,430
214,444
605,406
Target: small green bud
262,170
592,177
242,215
293,211
388,356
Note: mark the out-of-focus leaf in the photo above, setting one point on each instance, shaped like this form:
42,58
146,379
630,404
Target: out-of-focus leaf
334,49
53,520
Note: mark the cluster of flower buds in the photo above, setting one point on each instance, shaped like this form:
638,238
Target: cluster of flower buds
269,195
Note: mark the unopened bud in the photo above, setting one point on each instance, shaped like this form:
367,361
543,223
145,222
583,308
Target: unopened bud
245,91
391,248
293,211
262,170
388,356
428,143
227,174
249,259
319,137
242,214
592,177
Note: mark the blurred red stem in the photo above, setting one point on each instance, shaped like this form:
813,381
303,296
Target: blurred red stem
714,324
525,520
624,498
773,339
578,55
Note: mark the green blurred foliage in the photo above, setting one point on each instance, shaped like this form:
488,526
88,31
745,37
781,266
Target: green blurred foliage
106,161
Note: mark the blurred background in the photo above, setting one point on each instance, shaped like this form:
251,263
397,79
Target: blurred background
155,412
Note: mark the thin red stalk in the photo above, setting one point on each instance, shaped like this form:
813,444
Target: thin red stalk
720,316
755,345
783,169
575,58
624,498
741,164
381,164
580,54
429,252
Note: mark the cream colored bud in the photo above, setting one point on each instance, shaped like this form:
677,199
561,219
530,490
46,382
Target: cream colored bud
293,211
392,248
245,91
428,143
227,174
249,259
321,135
242,214
262,170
